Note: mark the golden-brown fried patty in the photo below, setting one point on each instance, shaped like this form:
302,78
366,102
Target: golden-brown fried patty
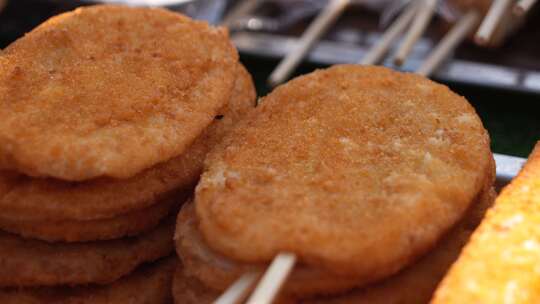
128,224
413,285
151,283
26,262
416,283
218,272
110,91
341,164
32,199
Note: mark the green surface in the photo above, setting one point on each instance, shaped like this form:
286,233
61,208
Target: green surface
512,119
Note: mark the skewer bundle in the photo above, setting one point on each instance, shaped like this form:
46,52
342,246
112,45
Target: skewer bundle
493,21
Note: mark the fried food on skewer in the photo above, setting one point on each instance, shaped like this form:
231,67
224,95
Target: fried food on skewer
361,159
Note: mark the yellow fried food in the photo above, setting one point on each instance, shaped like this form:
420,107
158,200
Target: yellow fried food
150,283
110,91
341,164
30,199
500,263
26,262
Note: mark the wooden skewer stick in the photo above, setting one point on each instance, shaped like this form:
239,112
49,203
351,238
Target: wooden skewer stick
239,290
423,17
273,279
450,42
377,51
523,6
316,29
491,21
241,9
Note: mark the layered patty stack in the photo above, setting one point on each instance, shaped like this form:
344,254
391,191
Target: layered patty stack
373,178
106,116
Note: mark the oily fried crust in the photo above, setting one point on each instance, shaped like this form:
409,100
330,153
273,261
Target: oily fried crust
150,283
129,224
76,87
416,283
341,164
218,272
412,285
25,262
500,263
23,198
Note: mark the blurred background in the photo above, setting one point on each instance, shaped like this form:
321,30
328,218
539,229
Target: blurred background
502,82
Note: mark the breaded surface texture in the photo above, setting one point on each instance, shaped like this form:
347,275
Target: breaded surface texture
416,283
150,284
341,164
500,263
110,91
31,199
413,285
219,272
128,224
26,262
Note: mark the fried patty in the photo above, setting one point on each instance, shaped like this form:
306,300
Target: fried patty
341,164
151,283
128,224
26,262
417,283
218,272
31,199
110,91
413,285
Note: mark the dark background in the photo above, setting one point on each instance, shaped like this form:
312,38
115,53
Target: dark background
512,118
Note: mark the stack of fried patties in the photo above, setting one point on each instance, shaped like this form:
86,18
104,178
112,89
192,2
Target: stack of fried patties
106,115
373,178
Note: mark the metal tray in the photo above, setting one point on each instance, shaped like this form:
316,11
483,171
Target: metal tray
515,66
507,168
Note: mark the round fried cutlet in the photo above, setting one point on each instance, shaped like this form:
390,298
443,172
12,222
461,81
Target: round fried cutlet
110,91
151,283
341,164
26,262
31,199
218,272
417,283
128,224
414,284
